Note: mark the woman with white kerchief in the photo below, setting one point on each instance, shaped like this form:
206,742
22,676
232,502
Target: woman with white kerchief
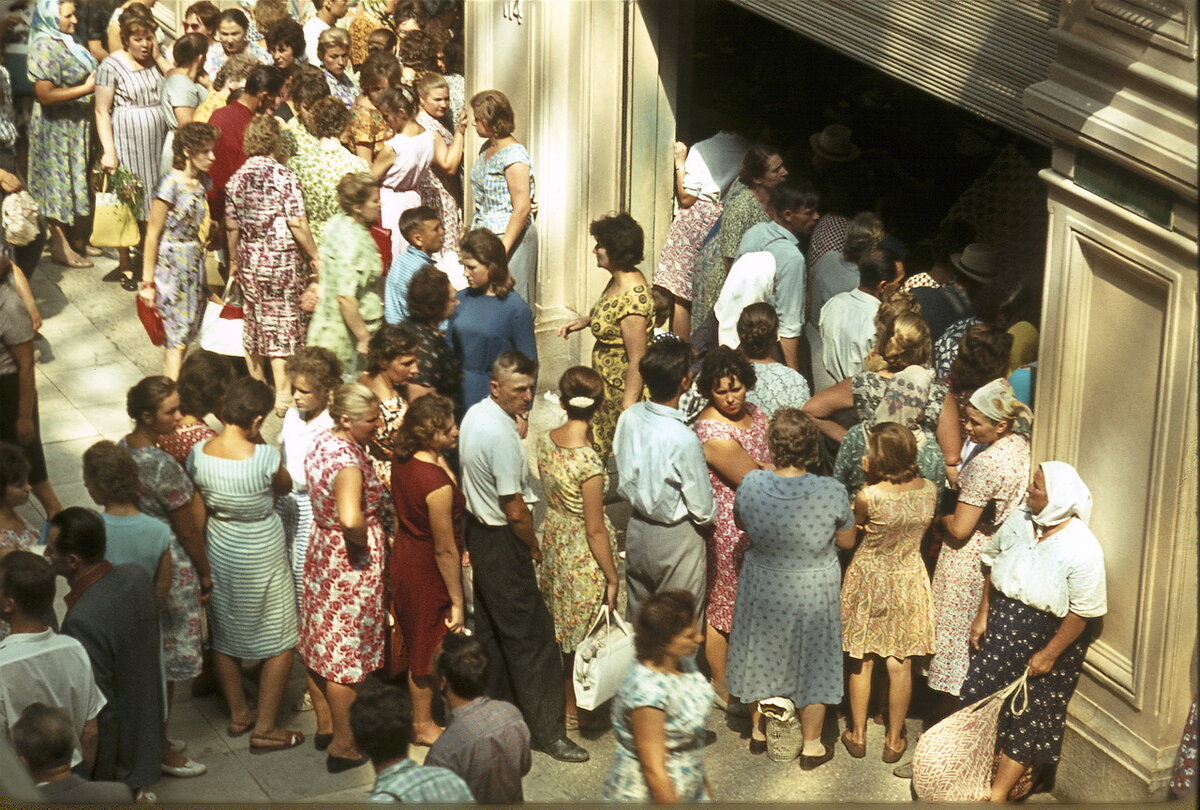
1045,573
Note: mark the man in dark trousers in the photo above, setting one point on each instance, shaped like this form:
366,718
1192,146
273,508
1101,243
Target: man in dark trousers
511,620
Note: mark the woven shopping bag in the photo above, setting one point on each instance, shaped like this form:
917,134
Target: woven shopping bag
953,760
602,659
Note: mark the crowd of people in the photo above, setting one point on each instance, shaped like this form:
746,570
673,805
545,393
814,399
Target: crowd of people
822,433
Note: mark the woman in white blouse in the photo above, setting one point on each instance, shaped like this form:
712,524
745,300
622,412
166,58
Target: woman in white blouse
1045,583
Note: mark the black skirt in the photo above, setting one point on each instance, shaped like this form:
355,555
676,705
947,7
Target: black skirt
1015,631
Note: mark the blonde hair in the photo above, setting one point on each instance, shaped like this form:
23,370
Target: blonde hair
906,343
262,137
352,401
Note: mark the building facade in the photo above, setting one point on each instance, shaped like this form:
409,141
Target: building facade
1110,86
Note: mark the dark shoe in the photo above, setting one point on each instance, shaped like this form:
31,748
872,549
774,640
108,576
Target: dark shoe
115,274
708,737
129,283
758,746
903,771
338,764
891,755
322,741
564,750
808,763
856,750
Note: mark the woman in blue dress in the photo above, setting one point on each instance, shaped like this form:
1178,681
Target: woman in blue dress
491,317
658,713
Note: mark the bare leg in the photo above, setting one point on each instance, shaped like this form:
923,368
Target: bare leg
172,362
171,759
60,247
899,696
758,724
681,318
46,497
860,695
1006,776
229,678
283,388
125,262
812,720
424,730
716,653
320,705
339,697
254,364
271,685
570,707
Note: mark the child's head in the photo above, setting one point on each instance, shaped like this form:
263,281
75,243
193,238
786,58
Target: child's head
581,392
14,476
664,303
891,454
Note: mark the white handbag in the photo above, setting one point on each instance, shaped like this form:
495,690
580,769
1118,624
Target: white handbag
221,335
602,659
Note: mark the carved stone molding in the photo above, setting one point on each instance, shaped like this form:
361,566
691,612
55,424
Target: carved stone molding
1167,24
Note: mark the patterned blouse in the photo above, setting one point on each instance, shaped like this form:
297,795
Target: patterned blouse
319,165
344,89
489,186
743,211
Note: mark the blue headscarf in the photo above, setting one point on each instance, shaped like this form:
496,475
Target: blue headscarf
45,24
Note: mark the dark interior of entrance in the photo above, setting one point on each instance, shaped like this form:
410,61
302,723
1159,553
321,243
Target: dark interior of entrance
926,156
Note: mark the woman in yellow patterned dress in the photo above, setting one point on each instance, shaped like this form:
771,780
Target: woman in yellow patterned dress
578,571
621,321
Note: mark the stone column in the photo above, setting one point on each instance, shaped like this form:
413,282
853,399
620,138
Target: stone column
1116,388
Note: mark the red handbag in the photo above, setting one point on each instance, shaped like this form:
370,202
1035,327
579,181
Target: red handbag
151,320
383,241
232,301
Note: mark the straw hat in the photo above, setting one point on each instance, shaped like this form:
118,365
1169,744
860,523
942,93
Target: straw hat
833,143
977,262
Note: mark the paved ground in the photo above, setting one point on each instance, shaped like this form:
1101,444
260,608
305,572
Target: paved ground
92,350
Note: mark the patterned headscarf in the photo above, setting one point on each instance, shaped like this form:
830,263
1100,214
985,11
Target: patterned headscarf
45,24
905,399
997,401
1066,495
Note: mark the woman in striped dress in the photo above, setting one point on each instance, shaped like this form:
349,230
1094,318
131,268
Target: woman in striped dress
129,119
253,606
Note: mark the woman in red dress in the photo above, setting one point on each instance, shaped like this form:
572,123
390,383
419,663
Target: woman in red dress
426,575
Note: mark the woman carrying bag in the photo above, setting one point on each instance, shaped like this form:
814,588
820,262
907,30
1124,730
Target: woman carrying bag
1045,581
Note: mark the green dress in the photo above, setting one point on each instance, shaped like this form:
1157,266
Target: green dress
610,360
742,212
319,164
351,267
571,582
59,135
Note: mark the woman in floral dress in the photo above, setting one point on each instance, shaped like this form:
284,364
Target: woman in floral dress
578,546
167,494
60,131
992,481
129,119
341,608
269,245
734,434
368,130
173,279
321,163
621,321
350,269
441,188
15,535
391,363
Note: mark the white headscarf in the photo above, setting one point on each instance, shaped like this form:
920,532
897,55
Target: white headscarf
1066,495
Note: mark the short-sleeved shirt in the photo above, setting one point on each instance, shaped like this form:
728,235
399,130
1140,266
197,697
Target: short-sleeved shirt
52,669
409,783
229,155
489,186
660,465
1062,573
847,332
296,439
777,386
136,539
16,327
395,293
787,295
312,32
833,273
493,462
163,486
179,91
712,165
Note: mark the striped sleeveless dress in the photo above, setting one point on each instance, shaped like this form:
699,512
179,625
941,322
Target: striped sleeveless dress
252,612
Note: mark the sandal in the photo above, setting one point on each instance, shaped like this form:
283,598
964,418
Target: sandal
260,744
856,750
129,283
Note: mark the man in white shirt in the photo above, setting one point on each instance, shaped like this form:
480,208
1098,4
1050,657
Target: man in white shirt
326,17
848,319
662,473
511,619
38,665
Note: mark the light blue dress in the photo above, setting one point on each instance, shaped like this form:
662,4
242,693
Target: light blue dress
483,327
686,699
253,607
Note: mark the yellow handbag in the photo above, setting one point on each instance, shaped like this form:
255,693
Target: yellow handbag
114,223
